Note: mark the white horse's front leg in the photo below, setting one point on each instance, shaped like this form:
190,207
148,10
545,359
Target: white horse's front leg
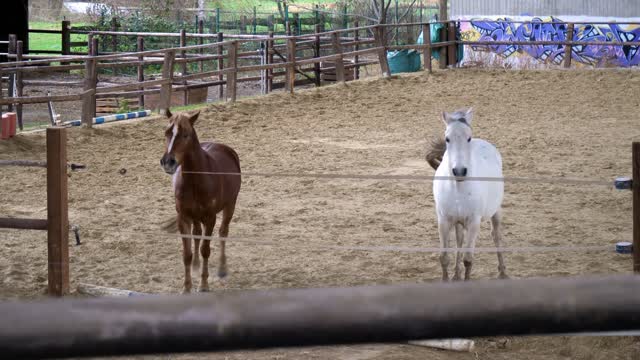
473,228
444,228
459,243
496,233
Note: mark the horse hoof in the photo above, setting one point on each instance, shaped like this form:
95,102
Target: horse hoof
222,274
204,289
186,291
503,276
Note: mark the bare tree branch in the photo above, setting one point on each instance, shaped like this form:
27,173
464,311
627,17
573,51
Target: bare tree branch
407,11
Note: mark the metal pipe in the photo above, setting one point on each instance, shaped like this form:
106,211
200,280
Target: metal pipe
303,317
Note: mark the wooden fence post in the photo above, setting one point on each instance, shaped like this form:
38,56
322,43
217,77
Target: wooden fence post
233,75
635,185
220,64
568,47
140,48
316,53
337,49
89,97
167,74
66,37
426,39
90,84
57,212
443,49
270,53
291,68
356,58
19,84
13,39
382,51
451,49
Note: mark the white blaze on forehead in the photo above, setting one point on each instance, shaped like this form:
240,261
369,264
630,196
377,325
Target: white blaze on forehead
173,138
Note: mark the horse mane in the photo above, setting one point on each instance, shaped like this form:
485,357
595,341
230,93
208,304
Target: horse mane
435,152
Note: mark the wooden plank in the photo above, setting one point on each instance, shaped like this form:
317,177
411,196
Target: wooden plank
57,211
291,68
339,64
42,99
23,224
167,73
568,48
102,291
233,75
635,156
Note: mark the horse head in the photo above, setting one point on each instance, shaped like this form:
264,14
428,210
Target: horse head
458,140
180,137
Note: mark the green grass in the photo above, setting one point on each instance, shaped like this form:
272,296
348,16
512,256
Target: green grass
50,41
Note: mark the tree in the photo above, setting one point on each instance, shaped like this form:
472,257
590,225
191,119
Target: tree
55,6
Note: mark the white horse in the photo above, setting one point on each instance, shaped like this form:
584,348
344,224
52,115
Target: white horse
462,204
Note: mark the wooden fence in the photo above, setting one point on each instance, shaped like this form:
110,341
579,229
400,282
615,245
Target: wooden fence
57,222
278,56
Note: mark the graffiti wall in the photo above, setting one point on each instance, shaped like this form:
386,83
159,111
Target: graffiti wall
549,29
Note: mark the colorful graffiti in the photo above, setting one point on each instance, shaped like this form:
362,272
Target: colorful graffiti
554,29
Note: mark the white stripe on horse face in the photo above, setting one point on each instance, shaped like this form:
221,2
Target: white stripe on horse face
173,138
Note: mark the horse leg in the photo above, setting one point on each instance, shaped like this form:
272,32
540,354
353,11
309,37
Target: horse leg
196,231
223,232
459,242
496,233
473,229
187,255
205,251
444,229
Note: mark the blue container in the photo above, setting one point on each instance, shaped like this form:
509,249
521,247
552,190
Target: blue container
623,183
403,61
624,247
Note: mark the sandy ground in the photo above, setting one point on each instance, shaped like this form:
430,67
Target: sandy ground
564,124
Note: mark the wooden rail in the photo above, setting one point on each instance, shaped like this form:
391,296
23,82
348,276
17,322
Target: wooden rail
250,319
57,222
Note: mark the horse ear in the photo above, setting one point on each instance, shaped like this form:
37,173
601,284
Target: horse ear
469,115
446,118
194,117
168,113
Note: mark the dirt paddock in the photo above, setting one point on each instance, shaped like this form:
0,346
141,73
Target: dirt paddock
564,124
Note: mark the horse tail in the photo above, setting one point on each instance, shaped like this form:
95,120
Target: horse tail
235,156
435,152
170,225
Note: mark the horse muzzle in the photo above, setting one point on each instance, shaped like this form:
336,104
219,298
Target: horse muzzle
169,164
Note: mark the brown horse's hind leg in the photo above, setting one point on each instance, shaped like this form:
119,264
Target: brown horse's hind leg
196,231
205,250
187,256
227,214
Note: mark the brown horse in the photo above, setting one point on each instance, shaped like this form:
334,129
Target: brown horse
200,195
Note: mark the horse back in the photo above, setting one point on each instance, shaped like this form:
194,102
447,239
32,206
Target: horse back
226,158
